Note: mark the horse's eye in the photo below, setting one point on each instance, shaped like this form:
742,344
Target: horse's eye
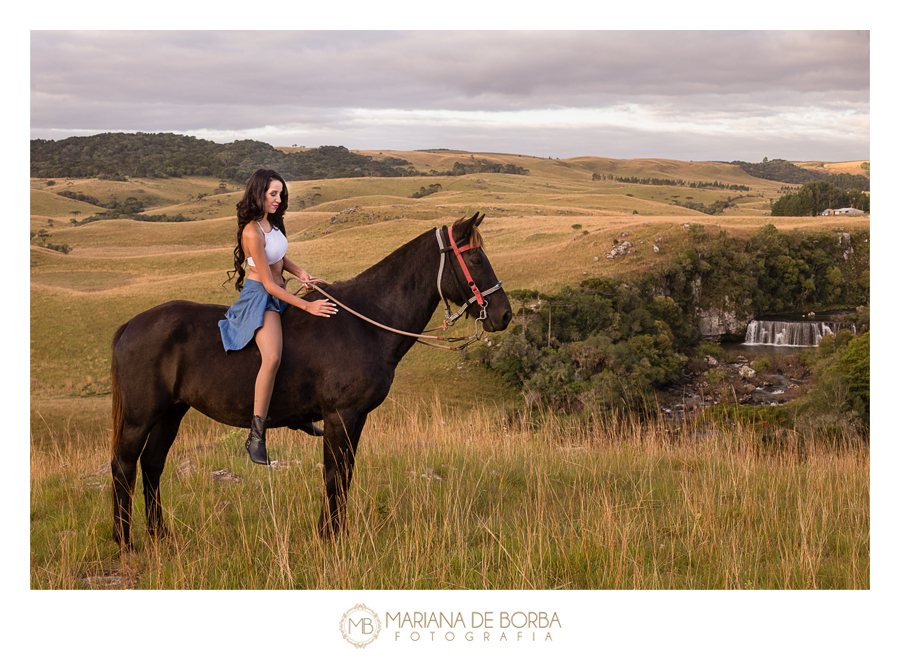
476,260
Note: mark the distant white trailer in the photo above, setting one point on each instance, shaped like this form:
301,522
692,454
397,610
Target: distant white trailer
843,211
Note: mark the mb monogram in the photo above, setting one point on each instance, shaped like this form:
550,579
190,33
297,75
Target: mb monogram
360,626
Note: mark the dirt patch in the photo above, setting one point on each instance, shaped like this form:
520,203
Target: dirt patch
110,578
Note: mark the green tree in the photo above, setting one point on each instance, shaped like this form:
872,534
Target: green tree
853,365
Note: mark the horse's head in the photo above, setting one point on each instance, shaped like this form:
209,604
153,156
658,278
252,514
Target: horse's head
469,278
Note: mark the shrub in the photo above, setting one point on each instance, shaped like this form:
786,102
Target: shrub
839,404
603,344
853,367
761,416
714,350
762,365
425,191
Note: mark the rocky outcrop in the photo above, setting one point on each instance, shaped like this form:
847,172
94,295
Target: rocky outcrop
620,250
844,241
746,372
225,476
720,323
725,321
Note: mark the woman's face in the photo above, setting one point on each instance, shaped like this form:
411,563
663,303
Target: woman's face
273,196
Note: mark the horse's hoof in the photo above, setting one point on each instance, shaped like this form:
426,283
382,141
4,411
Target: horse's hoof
325,531
122,544
331,531
125,548
160,534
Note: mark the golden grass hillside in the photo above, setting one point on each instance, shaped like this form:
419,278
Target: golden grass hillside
856,167
457,486
550,228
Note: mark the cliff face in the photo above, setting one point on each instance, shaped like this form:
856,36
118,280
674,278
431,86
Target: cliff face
719,323
725,320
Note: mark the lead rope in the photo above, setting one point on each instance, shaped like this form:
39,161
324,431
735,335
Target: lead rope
419,337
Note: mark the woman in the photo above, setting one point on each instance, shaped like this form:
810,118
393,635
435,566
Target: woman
257,312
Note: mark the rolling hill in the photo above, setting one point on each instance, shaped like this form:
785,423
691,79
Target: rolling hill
549,228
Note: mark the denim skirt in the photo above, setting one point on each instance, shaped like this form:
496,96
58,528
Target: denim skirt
246,315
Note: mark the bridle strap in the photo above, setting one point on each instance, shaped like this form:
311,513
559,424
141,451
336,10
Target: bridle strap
462,264
440,276
477,296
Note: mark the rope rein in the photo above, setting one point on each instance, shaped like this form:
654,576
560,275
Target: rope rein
449,319
396,331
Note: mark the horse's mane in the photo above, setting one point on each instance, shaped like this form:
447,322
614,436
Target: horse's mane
393,260
390,263
475,239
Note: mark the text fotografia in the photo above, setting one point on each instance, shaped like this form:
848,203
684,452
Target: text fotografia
478,626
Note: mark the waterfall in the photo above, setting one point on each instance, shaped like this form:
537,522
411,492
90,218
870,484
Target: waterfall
790,334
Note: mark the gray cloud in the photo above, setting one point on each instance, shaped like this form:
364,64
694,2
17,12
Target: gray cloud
665,94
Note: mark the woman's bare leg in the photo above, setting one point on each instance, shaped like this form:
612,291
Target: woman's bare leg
268,340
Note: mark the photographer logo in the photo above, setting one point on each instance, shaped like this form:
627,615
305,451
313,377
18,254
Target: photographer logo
360,626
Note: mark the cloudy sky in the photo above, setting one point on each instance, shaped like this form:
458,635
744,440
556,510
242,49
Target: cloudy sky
711,95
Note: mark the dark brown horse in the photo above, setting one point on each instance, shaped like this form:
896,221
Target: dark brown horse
170,358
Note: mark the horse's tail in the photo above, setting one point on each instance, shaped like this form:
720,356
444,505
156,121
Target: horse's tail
118,415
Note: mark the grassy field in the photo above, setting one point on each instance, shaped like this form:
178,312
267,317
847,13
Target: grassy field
471,500
652,512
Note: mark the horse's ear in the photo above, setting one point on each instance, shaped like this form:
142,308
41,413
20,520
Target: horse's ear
462,228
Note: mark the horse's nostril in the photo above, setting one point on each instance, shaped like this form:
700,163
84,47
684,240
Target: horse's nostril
507,317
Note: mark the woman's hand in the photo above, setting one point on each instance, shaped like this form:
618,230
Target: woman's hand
305,277
304,283
322,308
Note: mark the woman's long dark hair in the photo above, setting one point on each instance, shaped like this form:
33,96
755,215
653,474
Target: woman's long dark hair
251,208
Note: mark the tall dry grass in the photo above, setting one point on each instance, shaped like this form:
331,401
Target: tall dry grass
478,500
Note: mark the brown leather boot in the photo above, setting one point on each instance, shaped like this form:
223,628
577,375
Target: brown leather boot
256,441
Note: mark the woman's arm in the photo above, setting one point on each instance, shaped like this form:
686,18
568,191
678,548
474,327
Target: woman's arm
255,243
304,276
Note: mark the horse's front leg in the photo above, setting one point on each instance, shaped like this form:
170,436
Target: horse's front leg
342,432
153,460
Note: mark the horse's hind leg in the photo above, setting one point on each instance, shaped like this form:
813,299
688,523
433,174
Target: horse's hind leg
153,460
124,472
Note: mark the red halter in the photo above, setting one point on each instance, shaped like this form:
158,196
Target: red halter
462,264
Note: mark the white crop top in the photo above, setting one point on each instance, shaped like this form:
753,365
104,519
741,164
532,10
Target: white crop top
276,247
